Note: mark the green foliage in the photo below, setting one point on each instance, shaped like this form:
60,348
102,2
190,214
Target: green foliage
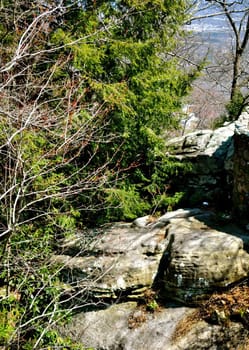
82,112
35,292
233,109
126,73
149,187
235,106
152,306
8,321
51,340
124,203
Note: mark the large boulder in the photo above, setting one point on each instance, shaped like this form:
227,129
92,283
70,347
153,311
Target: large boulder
181,255
220,167
178,252
124,326
123,260
200,260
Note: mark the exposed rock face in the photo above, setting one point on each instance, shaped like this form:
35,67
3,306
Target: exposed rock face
220,161
171,328
178,251
210,153
241,170
180,254
210,143
125,260
201,260
110,328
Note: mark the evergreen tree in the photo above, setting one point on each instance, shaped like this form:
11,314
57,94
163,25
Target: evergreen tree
121,62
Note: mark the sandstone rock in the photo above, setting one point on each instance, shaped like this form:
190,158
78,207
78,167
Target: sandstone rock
210,153
220,167
146,221
203,336
128,327
201,260
180,213
142,222
181,252
242,124
123,260
203,142
220,141
190,143
113,328
186,257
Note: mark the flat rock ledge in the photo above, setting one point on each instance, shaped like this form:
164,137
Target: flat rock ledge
183,253
180,253
123,262
125,326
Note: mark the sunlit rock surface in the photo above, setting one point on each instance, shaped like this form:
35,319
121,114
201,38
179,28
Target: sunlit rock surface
201,260
179,253
124,260
183,256
126,326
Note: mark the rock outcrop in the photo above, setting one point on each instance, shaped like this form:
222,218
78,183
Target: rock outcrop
241,170
210,153
126,326
178,260
189,259
179,257
220,168
202,259
124,261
